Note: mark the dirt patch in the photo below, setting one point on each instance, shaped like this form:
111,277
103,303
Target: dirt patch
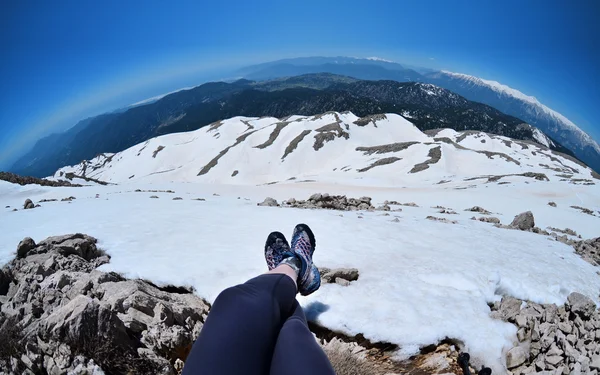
380,162
328,133
215,125
432,132
364,121
215,160
435,154
537,176
274,134
158,149
584,210
294,143
465,134
450,142
490,155
383,149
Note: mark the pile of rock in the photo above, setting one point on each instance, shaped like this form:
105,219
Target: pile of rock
589,250
478,209
442,219
334,202
555,339
340,276
487,219
60,314
26,180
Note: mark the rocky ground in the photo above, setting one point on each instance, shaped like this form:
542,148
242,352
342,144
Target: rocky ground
553,339
25,180
59,314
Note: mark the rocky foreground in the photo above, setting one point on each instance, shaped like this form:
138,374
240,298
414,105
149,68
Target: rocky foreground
59,314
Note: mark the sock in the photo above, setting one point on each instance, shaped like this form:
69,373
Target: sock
293,262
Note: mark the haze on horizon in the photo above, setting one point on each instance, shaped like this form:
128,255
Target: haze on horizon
66,61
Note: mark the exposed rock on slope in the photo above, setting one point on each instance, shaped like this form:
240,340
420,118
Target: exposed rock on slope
26,180
558,339
74,318
385,149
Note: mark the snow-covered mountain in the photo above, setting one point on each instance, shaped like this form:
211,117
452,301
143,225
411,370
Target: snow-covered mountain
525,107
380,150
497,95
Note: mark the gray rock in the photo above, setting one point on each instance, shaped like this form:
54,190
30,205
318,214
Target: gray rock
553,360
552,204
59,298
24,246
28,204
269,202
581,305
523,221
595,362
565,327
516,357
349,274
509,308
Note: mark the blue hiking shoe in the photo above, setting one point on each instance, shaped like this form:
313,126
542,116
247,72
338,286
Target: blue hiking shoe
275,247
303,248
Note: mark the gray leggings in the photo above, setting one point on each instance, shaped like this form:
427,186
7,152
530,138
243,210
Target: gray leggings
257,328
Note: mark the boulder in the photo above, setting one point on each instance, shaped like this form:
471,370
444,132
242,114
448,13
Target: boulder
516,357
523,221
581,305
84,319
552,204
348,274
28,204
269,202
24,246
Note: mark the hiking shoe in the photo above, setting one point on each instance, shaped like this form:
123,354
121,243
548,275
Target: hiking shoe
312,283
303,247
275,247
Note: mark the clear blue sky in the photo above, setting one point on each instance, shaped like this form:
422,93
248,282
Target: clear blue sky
65,60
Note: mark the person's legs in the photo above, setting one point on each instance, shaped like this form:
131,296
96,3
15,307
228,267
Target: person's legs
296,351
240,332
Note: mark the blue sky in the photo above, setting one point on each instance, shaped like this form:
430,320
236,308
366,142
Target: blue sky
66,60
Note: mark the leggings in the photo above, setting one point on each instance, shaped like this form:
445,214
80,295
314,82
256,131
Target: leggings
257,328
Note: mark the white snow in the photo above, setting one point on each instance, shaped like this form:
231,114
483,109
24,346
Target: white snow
375,58
540,137
186,154
537,106
420,281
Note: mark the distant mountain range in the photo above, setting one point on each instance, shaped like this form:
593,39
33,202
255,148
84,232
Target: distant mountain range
385,150
501,97
425,105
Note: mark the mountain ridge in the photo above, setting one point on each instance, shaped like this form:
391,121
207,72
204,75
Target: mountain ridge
191,109
378,150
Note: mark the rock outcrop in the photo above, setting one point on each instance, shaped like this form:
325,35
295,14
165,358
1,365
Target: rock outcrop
523,221
589,250
340,276
26,180
552,339
335,202
28,204
59,314
269,202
